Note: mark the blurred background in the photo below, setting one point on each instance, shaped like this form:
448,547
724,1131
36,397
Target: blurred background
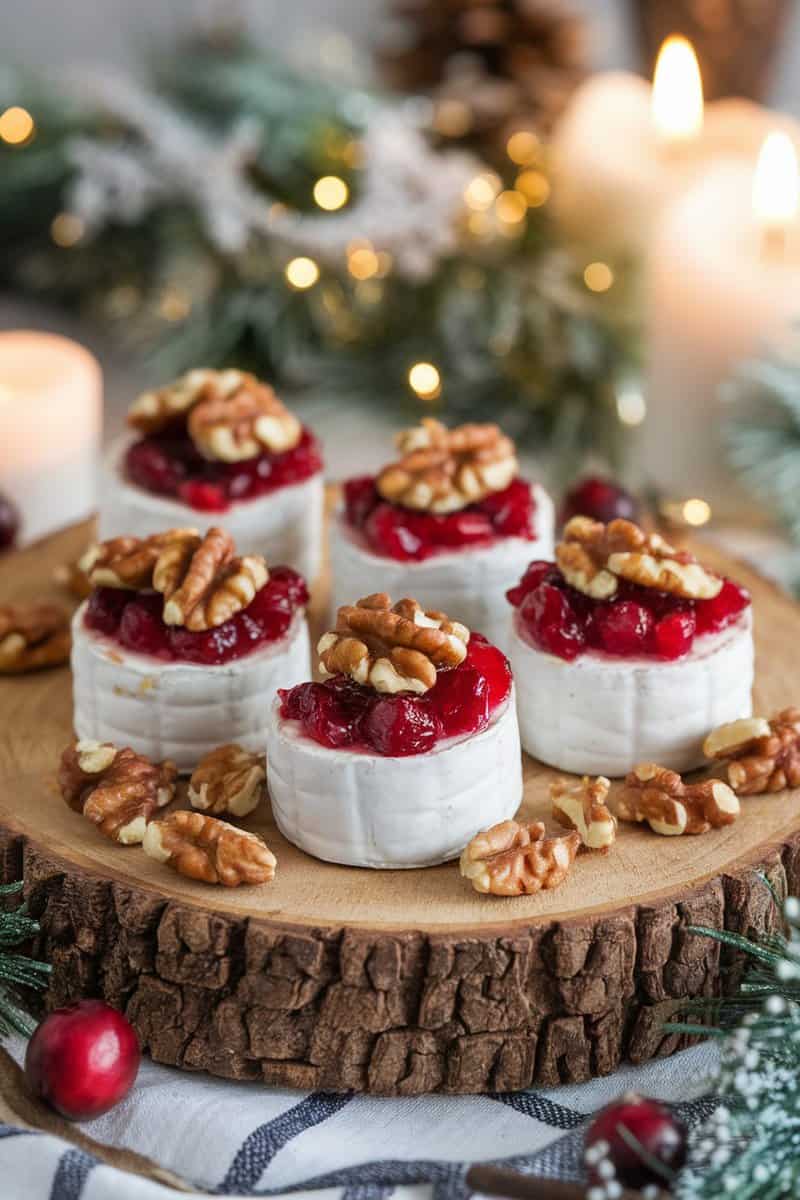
393,207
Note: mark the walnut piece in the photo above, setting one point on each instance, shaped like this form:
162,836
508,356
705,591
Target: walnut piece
442,470
582,806
230,414
73,578
118,790
32,636
593,557
762,756
392,648
671,807
203,581
211,851
514,859
228,780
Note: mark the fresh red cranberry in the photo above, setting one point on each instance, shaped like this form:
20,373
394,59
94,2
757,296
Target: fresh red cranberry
360,497
469,527
388,530
637,1141
552,621
141,627
205,497
149,464
726,606
512,510
283,581
674,634
461,701
399,726
211,647
327,720
622,627
534,574
599,498
104,609
9,523
82,1060
493,665
297,464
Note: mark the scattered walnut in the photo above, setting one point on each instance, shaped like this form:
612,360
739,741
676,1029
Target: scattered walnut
513,859
442,470
32,636
230,414
593,558
203,581
228,780
118,790
582,806
391,648
762,756
671,807
211,851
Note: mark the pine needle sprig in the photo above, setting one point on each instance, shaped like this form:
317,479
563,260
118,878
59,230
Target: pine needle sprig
18,972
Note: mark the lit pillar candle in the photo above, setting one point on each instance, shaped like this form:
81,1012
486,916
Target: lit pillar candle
724,277
624,149
50,421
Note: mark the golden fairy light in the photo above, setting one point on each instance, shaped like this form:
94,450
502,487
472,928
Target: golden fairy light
631,407
696,511
302,273
16,125
425,381
480,192
598,277
362,261
511,207
67,229
534,186
452,118
523,147
331,192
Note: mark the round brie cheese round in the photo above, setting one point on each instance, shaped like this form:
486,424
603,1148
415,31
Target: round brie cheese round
179,710
367,810
285,525
601,715
470,584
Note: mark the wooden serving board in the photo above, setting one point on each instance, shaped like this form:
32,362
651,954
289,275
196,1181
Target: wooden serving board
393,982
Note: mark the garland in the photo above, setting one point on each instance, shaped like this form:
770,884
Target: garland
18,972
233,211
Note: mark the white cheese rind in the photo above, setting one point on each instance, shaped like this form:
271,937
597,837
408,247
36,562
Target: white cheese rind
179,710
469,585
601,716
285,525
365,810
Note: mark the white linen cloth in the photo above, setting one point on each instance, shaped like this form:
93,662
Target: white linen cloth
245,1139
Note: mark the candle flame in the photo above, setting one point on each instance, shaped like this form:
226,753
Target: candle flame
677,99
776,183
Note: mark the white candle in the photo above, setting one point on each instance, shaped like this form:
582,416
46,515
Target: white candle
623,149
50,421
724,278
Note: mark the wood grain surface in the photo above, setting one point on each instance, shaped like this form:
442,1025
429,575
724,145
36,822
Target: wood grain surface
395,982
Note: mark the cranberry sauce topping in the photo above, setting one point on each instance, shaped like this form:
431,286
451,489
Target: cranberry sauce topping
405,534
341,713
637,622
168,464
134,620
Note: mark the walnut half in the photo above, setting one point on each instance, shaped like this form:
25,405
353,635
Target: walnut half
514,859
582,806
762,756
671,807
32,636
228,780
210,851
118,790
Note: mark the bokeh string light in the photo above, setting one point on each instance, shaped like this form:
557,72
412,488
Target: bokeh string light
17,126
425,381
302,273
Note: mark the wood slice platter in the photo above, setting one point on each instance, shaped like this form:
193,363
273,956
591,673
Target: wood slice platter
388,982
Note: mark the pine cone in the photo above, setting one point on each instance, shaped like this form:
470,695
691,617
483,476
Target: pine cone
490,67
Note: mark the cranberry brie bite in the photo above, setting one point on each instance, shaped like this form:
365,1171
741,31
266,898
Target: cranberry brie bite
408,747
450,521
626,650
182,644
218,442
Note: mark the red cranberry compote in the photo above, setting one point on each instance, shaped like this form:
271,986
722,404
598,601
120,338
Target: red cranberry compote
169,464
637,622
408,535
342,714
133,619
